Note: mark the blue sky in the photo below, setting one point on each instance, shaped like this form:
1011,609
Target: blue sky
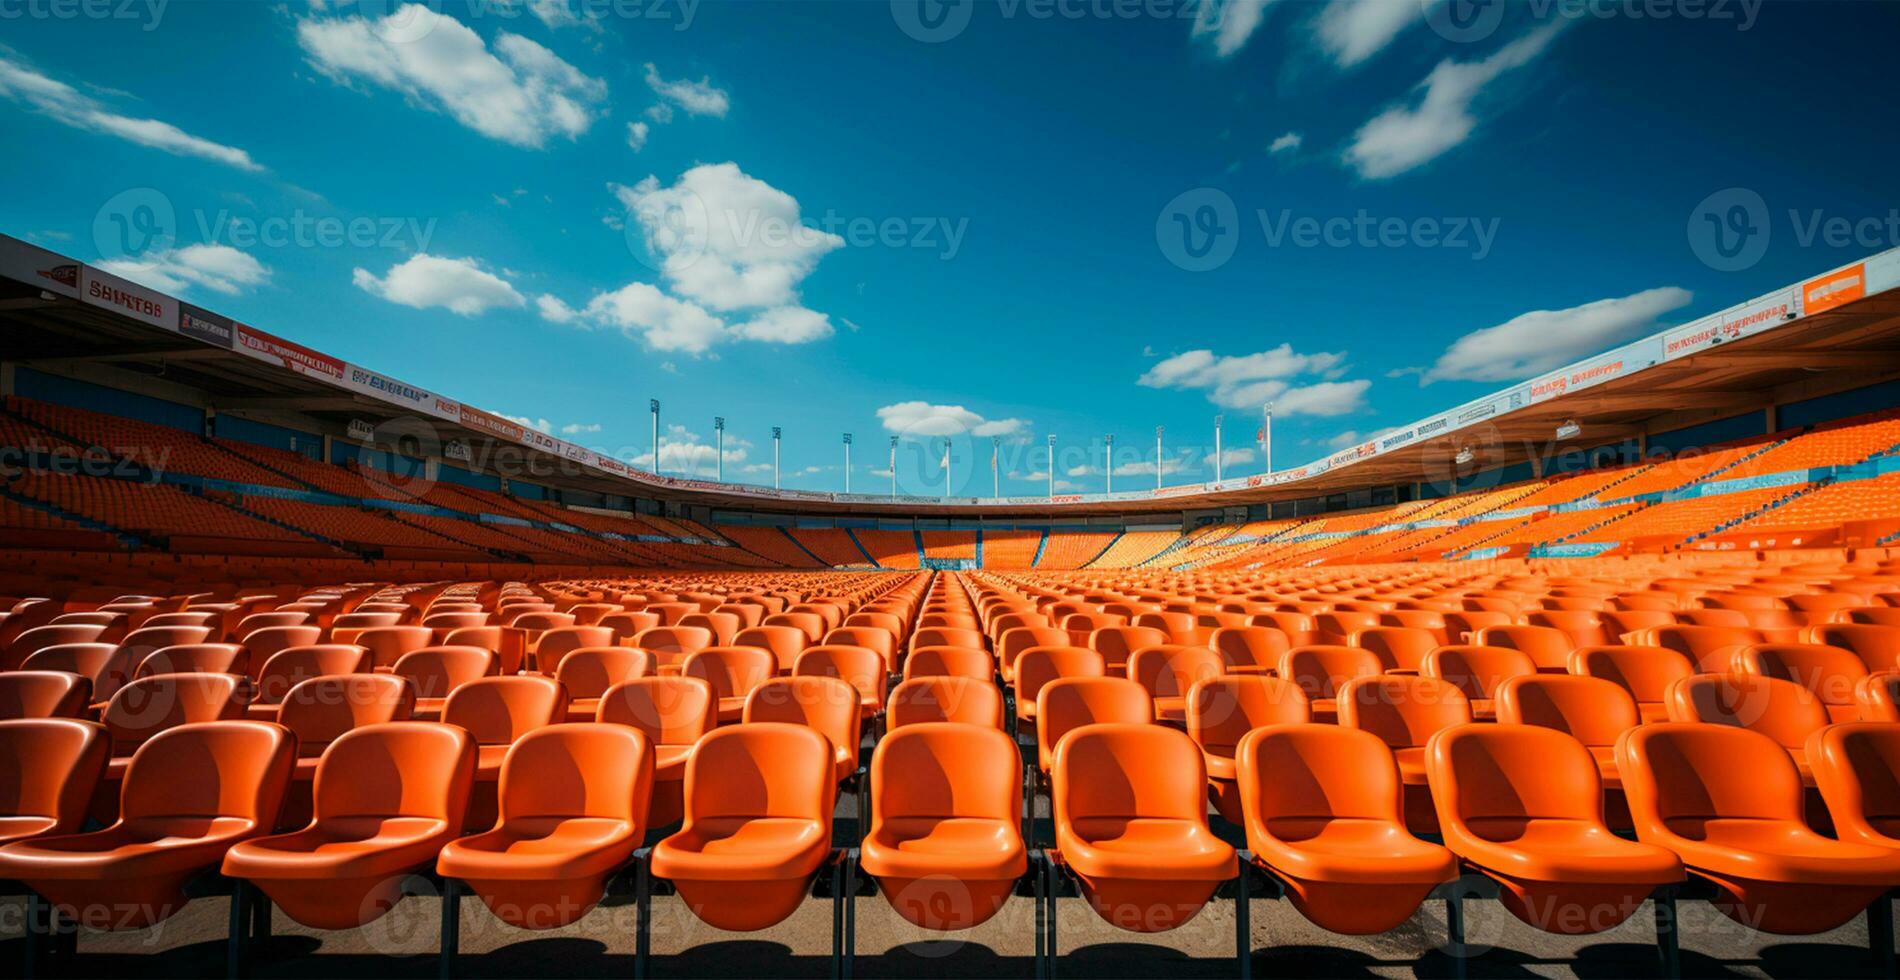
1005,219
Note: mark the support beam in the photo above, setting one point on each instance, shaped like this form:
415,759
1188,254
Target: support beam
1868,360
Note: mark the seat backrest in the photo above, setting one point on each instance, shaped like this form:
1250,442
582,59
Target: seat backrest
1877,646
288,668
936,661
733,672
194,773
1549,648
1510,773
43,694
1646,672
1299,627
861,667
269,641
810,624
1477,670
1404,710
321,709
944,699
265,620
883,620
1067,703
1128,771
1584,627
1170,670
945,770
435,671
1829,673
588,672
32,641
51,766
1677,775
1782,710
558,642
785,642
151,705
1250,646
1320,669
1222,710
387,644
1040,665
1014,641
768,769
1878,696
1397,647
670,710
499,710
396,769
870,637
1117,644
1856,767
1462,627
826,704
1713,648
578,770
1338,626
193,658
1592,710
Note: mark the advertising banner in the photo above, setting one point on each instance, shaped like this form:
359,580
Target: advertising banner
39,268
206,326
103,289
296,357
1834,289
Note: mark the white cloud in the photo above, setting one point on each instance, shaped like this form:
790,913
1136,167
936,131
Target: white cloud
580,429
639,309
1245,381
1285,143
660,113
1353,30
1407,136
637,135
1544,340
460,286
538,425
699,98
62,103
520,92
726,239
219,268
1146,467
1230,22
924,419
560,13
1325,398
785,325
682,452
1229,457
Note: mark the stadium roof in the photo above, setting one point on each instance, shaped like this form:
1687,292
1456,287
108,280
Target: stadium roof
1836,331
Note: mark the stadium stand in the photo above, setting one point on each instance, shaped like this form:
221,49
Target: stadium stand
890,549
1072,549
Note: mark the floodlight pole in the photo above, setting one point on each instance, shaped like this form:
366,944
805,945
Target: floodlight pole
996,478
847,462
1110,468
1217,457
775,457
893,467
1266,444
653,405
946,467
1158,457
719,436
1052,468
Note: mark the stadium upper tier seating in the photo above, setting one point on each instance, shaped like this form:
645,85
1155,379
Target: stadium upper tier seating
90,483
1556,737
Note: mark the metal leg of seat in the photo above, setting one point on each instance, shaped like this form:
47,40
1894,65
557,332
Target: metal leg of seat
1455,930
39,934
1880,934
1243,925
237,930
642,914
850,914
260,917
1041,910
1668,936
450,948
1055,888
